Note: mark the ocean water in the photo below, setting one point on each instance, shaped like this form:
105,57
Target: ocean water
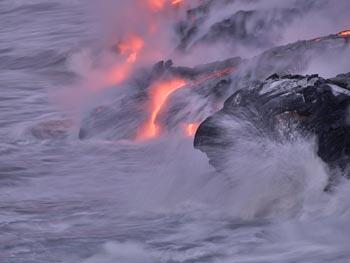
97,201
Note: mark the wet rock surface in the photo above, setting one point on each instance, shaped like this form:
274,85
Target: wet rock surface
281,108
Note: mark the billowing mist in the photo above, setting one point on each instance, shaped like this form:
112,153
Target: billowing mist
175,131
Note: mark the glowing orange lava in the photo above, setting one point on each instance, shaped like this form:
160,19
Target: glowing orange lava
156,5
133,47
159,94
129,49
345,33
191,129
213,75
176,2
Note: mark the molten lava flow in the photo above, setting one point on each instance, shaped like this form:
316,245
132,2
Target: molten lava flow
345,33
213,75
191,129
159,5
159,95
129,49
156,5
176,2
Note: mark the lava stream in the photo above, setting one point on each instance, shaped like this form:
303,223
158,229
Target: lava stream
158,5
159,94
134,48
176,2
191,129
345,33
129,49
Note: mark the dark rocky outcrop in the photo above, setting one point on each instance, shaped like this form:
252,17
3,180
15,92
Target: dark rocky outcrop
279,108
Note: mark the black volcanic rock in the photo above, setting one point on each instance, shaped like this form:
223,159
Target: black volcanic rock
279,108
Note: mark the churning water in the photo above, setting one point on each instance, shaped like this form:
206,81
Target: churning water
97,201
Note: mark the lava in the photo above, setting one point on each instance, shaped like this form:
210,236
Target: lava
129,50
133,47
220,73
345,33
213,75
176,2
158,5
159,94
118,74
191,129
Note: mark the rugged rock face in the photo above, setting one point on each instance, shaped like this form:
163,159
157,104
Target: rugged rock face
281,108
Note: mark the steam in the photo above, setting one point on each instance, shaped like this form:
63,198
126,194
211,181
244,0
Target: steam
150,20
139,161
137,34
246,28
330,64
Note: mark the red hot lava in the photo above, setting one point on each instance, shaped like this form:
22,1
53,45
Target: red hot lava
345,33
191,129
176,2
159,94
129,51
134,48
131,48
158,5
